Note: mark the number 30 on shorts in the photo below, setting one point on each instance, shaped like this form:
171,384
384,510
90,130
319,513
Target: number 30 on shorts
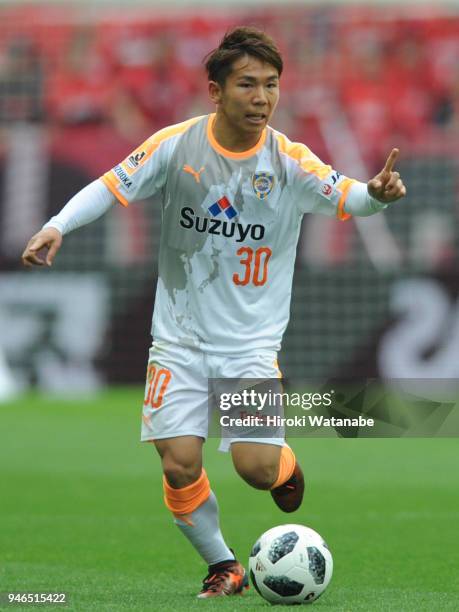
157,381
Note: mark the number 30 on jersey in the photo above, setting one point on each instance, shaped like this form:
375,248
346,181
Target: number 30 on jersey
255,266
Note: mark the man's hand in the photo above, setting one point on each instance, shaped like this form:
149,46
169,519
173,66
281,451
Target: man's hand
49,238
387,186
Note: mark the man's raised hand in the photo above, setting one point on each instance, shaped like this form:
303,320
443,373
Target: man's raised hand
50,239
387,186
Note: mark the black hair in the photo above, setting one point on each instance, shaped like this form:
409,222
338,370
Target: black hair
240,41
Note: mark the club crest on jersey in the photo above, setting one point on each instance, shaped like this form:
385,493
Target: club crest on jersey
262,183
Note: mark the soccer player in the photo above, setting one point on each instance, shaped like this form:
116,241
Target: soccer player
234,192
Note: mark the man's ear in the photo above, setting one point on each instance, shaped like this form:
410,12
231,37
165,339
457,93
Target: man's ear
215,92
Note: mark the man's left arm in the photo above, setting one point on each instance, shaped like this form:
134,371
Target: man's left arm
386,187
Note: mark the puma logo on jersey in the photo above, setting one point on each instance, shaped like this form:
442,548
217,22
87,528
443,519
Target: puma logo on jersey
193,172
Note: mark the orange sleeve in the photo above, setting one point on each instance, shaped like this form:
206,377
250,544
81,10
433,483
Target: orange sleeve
109,183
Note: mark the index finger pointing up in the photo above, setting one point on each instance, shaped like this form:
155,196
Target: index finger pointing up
391,160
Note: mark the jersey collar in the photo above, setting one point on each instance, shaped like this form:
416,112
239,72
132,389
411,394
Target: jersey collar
226,152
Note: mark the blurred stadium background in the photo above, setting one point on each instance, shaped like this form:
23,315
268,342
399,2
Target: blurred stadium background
80,86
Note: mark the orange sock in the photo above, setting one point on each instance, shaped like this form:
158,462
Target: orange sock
286,466
184,501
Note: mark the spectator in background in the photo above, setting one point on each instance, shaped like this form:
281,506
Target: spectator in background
127,115
21,82
80,89
408,77
446,111
367,98
145,65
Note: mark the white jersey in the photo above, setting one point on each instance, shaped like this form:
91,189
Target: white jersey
230,227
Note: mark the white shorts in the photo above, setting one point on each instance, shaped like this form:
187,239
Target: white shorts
176,401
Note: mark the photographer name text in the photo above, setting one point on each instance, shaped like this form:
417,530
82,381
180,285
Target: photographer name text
296,421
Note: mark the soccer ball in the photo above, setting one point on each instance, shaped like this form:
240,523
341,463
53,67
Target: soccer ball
290,564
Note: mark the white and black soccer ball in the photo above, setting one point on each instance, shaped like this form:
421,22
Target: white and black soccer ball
290,564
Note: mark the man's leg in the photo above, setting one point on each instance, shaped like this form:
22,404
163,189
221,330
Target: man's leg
188,496
273,467
264,463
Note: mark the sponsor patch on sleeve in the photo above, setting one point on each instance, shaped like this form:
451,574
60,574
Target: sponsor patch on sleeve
138,157
328,186
122,176
134,160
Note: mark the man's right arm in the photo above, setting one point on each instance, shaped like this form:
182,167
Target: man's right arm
86,206
137,177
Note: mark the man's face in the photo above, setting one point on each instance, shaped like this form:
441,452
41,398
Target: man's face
249,96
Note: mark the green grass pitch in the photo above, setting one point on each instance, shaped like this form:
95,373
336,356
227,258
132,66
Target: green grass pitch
81,511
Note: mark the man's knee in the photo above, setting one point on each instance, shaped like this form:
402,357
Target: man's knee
180,475
181,460
257,464
259,476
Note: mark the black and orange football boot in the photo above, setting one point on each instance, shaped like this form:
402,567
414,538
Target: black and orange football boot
225,578
289,496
